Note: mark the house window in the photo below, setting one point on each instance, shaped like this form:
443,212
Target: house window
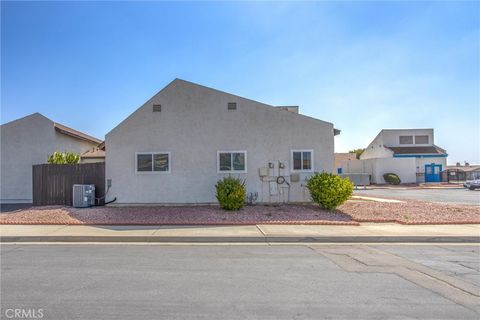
231,161
421,139
302,160
406,139
152,162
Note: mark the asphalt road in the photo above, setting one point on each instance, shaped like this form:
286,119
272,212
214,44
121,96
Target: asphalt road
241,282
458,196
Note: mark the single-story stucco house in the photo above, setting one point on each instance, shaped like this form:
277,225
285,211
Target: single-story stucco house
28,141
409,153
175,147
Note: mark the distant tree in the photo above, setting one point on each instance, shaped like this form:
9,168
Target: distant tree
63,158
358,152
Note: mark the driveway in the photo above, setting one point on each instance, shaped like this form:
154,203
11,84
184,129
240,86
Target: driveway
454,196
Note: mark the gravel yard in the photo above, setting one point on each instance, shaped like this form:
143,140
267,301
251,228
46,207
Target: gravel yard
350,213
411,212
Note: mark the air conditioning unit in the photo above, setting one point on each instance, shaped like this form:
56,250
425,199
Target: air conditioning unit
83,195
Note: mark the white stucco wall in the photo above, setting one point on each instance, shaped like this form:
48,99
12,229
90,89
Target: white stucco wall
403,167
376,149
193,125
421,162
390,137
357,166
25,142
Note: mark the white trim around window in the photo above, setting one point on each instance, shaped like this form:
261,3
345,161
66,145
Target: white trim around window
152,155
302,151
232,170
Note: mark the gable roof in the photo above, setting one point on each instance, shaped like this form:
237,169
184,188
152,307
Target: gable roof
59,128
271,108
74,133
418,150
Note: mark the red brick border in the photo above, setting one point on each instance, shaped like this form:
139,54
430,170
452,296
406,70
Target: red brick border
355,222
238,223
415,222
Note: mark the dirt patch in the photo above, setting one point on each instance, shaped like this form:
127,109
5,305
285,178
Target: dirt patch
350,213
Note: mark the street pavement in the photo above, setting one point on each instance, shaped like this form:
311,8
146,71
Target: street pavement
132,281
446,195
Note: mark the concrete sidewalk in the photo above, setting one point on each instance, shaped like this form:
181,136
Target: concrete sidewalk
367,232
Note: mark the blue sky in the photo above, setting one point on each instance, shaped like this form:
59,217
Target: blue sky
362,65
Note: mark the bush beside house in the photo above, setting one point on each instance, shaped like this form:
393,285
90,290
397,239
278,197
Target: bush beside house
392,178
231,193
329,190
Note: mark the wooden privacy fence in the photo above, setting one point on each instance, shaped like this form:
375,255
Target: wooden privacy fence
53,183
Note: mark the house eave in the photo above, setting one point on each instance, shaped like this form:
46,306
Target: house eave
74,133
420,155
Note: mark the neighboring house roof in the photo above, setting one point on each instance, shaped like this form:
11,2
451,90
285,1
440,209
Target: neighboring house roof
58,127
465,168
74,133
417,150
93,153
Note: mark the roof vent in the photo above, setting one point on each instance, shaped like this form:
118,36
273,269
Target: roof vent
157,108
232,106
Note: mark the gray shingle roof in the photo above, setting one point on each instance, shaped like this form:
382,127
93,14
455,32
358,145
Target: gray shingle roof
418,150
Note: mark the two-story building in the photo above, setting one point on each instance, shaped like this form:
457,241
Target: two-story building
415,148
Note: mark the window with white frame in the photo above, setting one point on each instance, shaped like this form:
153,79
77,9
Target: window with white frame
302,160
152,162
231,161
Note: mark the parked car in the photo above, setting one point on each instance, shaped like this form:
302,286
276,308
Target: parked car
472,184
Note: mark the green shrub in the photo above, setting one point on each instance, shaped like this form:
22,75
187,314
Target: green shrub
329,190
392,178
63,158
231,193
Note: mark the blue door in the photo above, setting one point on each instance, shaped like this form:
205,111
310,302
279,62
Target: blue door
432,172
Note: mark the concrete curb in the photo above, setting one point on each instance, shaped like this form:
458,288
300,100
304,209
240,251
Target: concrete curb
247,239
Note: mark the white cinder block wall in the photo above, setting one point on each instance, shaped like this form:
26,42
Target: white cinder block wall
193,125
